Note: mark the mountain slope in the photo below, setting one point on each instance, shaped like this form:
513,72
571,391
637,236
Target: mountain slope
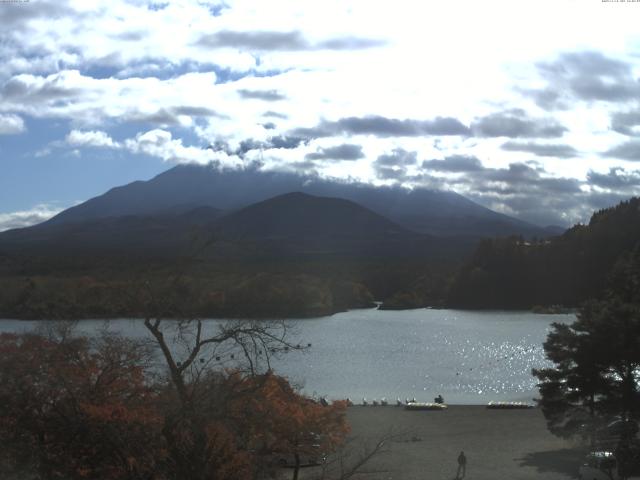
169,233
300,215
565,270
187,186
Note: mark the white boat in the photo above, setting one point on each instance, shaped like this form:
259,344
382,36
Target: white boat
509,405
425,406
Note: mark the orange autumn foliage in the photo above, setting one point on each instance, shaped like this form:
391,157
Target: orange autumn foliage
276,418
73,411
77,409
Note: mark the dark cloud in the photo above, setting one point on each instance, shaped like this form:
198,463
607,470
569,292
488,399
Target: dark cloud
250,144
454,164
524,190
351,43
626,151
541,149
624,123
585,63
258,40
195,111
346,151
585,76
272,114
516,124
547,98
19,13
281,41
616,179
393,166
384,127
286,142
399,157
266,95
594,88
171,115
269,125
131,36
20,89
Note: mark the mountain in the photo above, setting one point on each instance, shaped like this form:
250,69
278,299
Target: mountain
186,187
160,234
298,225
293,225
291,255
300,215
565,270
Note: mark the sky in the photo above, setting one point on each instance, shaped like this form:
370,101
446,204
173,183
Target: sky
530,108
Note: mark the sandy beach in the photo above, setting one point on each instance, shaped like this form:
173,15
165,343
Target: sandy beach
499,444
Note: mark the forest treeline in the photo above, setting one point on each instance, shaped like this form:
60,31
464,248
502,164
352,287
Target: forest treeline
70,287
515,273
502,273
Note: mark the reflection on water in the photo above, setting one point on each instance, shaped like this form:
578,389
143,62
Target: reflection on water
468,357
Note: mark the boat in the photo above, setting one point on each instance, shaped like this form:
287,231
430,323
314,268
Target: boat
509,405
425,406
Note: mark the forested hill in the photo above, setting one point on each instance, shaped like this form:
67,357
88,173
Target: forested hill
566,270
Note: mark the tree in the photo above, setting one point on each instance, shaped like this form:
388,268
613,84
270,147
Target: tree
217,371
73,408
597,367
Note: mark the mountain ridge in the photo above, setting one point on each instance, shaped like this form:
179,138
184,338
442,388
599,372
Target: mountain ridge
422,210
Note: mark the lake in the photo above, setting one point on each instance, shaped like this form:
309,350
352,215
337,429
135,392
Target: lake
469,357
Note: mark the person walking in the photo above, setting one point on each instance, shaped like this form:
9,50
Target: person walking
462,466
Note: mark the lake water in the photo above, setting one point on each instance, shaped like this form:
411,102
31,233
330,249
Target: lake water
468,357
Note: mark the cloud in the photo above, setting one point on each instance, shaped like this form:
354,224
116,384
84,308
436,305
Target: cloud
88,100
346,151
11,124
281,41
272,114
26,218
384,127
171,116
93,138
515,124
393,166
523,190
626,151
266,95
541,149
286,141
17,15
617,179
626,123
351,43
30,89
584,76
160,143
454,164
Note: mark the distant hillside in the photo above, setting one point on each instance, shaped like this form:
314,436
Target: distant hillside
168,234
299,215
185,187
566,270
290,225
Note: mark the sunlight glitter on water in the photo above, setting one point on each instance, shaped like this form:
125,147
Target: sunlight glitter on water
468,357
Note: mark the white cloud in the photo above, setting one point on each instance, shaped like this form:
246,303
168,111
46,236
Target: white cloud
26,218
119,62
160,143
92,138
11,124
